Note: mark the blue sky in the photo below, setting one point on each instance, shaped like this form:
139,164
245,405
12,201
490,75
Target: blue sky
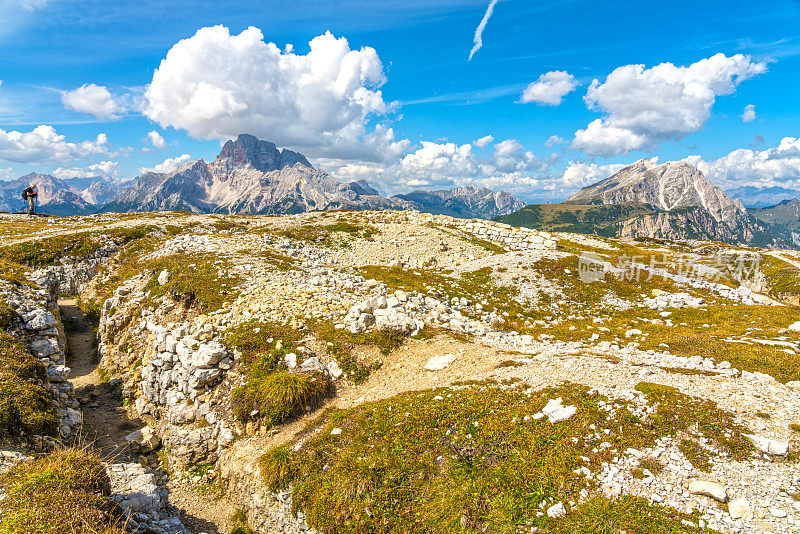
399,104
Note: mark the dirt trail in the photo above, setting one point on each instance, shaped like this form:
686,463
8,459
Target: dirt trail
782,257
106,423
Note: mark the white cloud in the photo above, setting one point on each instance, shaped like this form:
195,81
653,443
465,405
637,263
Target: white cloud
92,99
43,144
749,113
436,165
168,165
6,174
33,5
108,169
578,174
550,89
644,107
155,139
554,140
482,142
478,37
218,85
778,165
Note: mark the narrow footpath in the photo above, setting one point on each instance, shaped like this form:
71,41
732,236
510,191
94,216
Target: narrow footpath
106,423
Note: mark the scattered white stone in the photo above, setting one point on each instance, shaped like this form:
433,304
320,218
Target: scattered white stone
777,512
437,363
336,431
769,446
557,510
709,489
163,277
740,509
556,412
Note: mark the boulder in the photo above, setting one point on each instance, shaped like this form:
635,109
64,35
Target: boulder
58,373
207,354
394,319
769,446
740,509
44,347
144,438
709,489
41,321
556,412
437,363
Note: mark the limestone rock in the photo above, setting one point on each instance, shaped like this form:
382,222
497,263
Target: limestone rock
740,509
709,489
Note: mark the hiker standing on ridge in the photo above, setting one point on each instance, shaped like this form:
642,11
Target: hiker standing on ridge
30,195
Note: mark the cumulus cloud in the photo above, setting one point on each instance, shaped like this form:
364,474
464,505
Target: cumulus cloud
550,89
155,139
579,174
554,140
94,100
644,107
477,39
749,113
168,165
436,165
778,165
484,141
218,85
43,144
107,169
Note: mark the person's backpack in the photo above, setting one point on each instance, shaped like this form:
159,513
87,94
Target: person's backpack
25,194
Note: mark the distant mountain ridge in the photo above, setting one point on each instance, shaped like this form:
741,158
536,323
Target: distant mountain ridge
466,202
673,200
253,176
762,197
71,196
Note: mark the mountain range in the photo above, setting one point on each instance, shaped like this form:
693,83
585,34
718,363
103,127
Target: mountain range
74,196
762,197
248,176
673,200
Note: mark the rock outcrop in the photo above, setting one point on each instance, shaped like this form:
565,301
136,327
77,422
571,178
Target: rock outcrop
248,176
687,204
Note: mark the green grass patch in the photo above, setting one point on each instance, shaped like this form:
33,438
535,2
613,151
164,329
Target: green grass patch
696,454
6,314
732,321
462,459
200,281
47,251
239,523
277,396
25,405
271,391
282,262
339,234
66,491
702,418
625,515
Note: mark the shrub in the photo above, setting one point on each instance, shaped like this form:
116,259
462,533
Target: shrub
279,395
25,405
66,491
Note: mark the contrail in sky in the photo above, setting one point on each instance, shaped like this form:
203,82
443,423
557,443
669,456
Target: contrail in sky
478,39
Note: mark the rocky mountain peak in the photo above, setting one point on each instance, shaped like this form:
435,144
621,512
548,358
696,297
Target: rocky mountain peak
261,155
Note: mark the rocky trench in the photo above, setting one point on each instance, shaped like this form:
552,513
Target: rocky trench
37,321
